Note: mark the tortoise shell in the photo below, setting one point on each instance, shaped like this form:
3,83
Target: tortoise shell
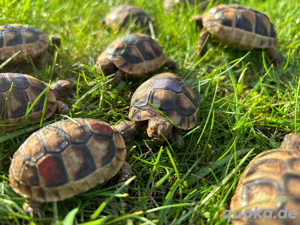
66,158
24,91
171,95
269,176
172,4
30,41
134,54
120,16
240,27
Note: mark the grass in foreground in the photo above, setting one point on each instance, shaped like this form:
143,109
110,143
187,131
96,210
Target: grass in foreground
246,108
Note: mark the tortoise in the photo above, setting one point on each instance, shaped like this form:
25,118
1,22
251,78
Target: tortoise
135,55
66,158
238,27
31,42
169,5
121,16
25,89
270,183
174,98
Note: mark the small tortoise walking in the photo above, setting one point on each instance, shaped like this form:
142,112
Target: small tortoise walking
66,158
271,182
135,55
120,17
174,98
25,90
169,5
238,27
31,42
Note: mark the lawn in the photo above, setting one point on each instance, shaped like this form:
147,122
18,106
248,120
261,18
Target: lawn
246,107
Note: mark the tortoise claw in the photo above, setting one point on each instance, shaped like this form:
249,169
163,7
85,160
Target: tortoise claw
34,208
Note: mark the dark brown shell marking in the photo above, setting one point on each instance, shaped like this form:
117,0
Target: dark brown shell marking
121,15
240,27
66,158
270,175
170,94
135,54
25,90
27,39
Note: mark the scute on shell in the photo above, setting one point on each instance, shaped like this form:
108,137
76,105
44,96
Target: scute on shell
135,54
240,27
270,182
66,158
120,16
30,41
25,90
171,95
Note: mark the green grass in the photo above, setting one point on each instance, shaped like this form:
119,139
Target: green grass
246,107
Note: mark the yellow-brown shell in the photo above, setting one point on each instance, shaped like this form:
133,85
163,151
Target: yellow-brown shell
172,4
240,27
25,90
120,16
271,182
30,41
66,158
171,95
134,54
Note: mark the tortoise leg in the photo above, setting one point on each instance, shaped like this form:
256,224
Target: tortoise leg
158,126
127,129
43,59
275,58
124,174
170,64
204,39
176,137
198,20
141,125
119,75
62,108
34,208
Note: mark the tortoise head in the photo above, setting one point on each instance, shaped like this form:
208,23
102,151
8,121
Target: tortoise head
127,129
56,41
198,20
291,141
106,66
62,89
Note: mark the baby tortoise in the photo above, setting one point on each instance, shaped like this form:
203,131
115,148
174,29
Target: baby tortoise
31,42
135,55
238,27
66,158
169,5
121,16
25,90
174,98
271,182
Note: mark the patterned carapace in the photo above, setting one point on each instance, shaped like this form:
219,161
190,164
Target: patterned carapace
134,54
244,18
66,158
171,95
24,91
30,41
270,182
120,16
